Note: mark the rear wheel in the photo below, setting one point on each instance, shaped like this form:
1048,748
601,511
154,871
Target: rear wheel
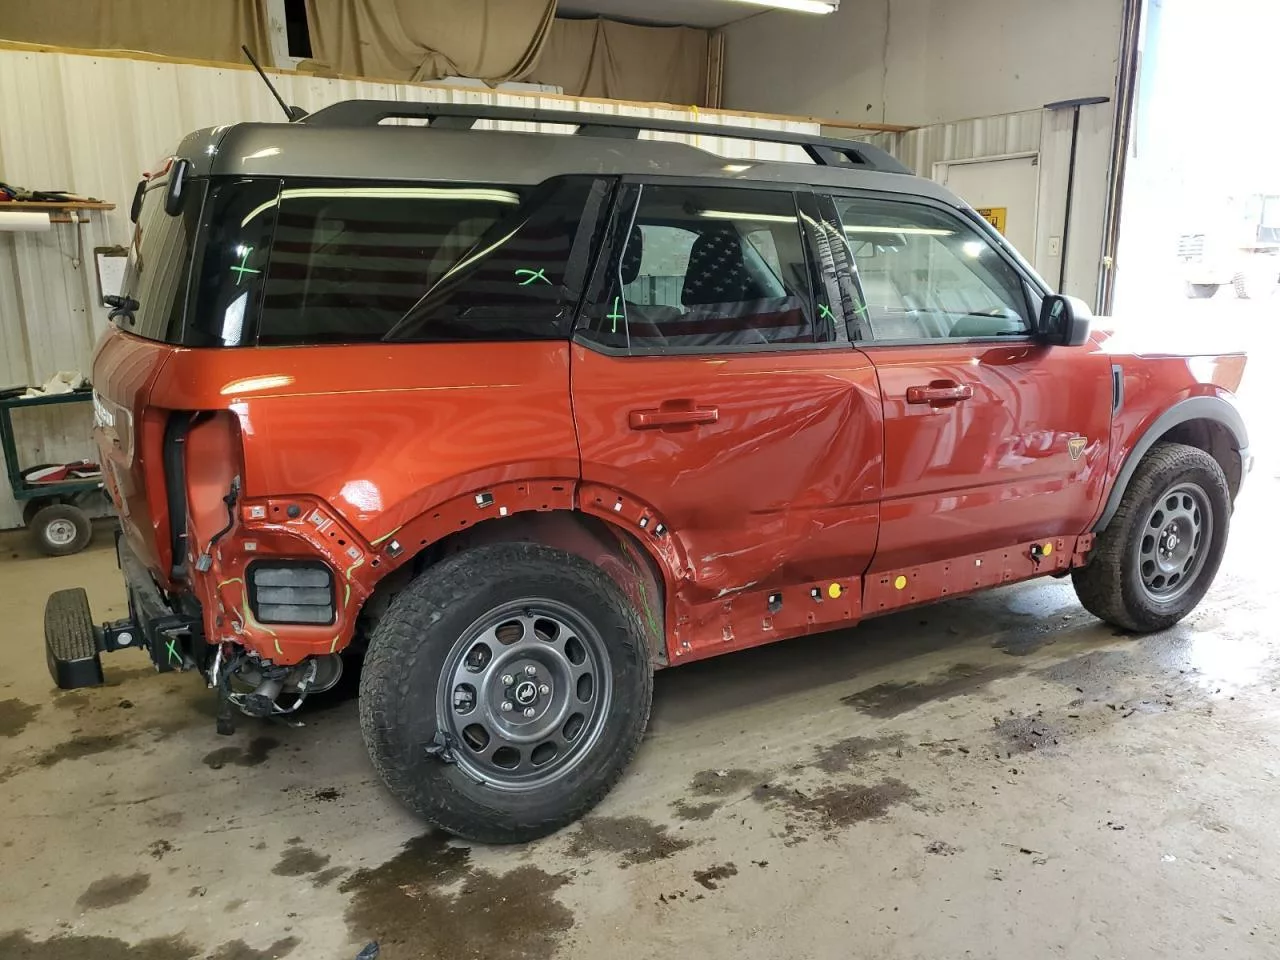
1201,291
1153,563
505,691
61,529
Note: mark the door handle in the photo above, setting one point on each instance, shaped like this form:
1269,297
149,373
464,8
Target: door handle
939,392
673,413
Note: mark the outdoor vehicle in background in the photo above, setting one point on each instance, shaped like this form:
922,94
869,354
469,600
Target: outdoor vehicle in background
511,419
1239,247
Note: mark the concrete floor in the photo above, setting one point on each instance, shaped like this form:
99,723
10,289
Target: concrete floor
997,776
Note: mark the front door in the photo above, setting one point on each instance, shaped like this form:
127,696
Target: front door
713,387
991,438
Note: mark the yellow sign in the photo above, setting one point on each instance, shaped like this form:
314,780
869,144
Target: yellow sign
995,216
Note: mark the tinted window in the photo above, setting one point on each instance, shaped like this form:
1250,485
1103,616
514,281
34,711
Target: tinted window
927,274
159,262
707,267
521,277
349,261
235,251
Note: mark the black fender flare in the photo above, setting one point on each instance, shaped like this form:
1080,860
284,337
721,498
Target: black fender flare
1216,409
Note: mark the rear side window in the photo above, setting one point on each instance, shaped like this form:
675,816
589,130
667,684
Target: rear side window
521,277
350,261
707,268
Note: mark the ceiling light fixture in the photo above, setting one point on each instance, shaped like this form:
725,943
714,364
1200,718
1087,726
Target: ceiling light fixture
803,6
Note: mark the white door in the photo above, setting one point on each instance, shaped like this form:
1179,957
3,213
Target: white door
1008,186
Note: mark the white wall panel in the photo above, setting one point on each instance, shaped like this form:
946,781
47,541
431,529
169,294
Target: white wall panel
92,124
1048,135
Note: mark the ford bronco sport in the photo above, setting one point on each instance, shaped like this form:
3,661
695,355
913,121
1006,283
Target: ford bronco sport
511,419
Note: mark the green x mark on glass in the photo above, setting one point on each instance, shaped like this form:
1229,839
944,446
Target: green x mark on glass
825,312
532,276
241,269
171,647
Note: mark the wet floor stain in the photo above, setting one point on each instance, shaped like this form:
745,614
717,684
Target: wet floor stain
634,839
15,715
713,784
712,877
113,891
327,876
892,699
81,746
1093,673
297,860
255,753
837,805
842,755
19,946
239,950
693,812
481,914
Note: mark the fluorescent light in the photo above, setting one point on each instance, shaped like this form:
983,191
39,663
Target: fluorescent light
907,231
804,6
747,217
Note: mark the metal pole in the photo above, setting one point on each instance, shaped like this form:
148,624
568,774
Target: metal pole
1071,173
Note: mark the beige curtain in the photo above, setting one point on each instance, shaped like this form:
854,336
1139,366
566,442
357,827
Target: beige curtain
605,58
190,29
428,39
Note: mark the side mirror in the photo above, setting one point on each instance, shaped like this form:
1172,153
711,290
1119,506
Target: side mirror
173,193
1064,321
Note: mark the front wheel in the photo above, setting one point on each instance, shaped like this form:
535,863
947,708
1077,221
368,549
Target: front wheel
1201,291
505,691
1153,563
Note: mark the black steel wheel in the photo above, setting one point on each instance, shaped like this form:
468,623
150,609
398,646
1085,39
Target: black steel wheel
1175,541
1159,554
524,693
505,691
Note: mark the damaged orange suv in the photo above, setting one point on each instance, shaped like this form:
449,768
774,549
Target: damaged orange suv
510,419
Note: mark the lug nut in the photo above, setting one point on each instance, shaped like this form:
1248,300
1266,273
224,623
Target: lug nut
528,711
544,689
531,670
508,679
506,706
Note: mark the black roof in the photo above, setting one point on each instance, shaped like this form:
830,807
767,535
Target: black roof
346,140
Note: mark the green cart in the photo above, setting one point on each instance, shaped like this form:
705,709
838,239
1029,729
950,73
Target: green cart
53,512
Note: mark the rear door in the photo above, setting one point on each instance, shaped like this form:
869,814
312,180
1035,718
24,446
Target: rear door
991,437
714,386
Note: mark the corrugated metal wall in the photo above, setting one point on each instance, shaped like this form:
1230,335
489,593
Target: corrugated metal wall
91,124
996,136
1046,133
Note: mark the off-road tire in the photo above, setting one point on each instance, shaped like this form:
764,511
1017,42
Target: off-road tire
1110,586
1201,291
409,649
56,516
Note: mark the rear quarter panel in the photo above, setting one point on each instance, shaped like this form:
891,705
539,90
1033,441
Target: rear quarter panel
382,432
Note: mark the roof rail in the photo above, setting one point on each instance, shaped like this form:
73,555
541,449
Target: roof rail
827,151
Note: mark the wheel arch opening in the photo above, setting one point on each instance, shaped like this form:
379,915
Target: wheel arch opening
613,550
1214,438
